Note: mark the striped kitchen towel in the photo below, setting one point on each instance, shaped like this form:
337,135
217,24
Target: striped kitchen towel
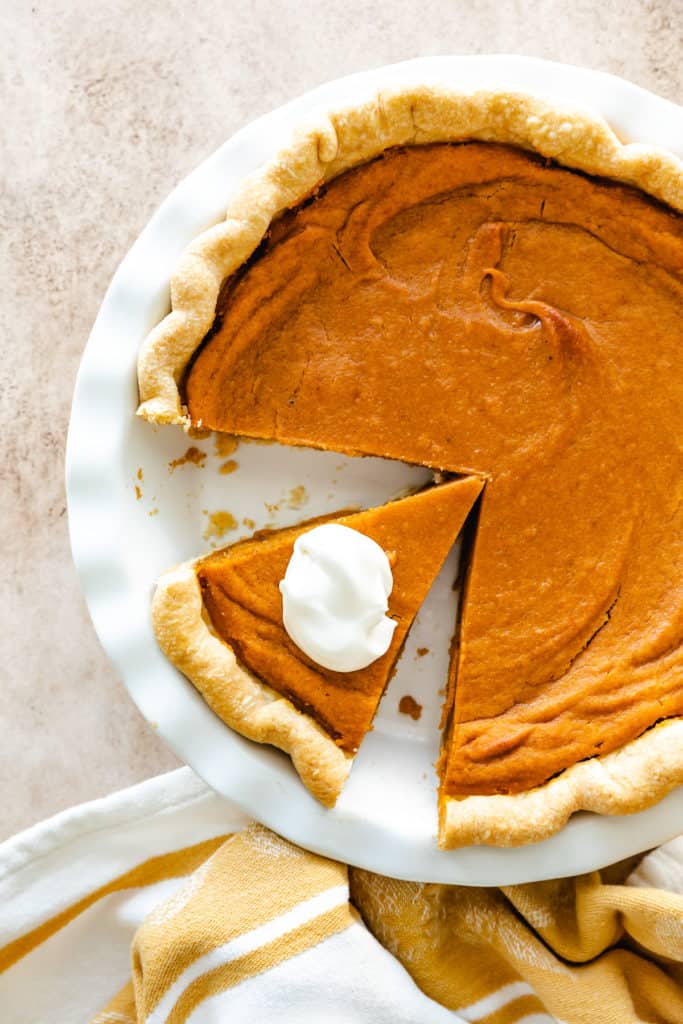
164,904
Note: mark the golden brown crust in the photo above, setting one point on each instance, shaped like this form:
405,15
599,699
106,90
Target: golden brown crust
240,699
625,781
628,780
345,138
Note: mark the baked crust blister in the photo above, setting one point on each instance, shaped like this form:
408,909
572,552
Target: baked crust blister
624,781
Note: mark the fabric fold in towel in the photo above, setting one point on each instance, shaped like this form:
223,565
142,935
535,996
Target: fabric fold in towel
164,904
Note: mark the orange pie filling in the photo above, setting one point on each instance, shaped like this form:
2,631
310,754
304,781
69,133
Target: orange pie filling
473,308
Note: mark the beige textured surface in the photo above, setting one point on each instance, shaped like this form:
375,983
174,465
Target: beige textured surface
105,107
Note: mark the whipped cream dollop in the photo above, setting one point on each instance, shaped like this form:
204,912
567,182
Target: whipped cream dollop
335,598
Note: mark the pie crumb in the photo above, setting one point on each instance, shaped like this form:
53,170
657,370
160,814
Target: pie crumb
194,455
409,706
199,433
139,474
219,524
225,444
421,651
298,496
249,523
228,467
153,512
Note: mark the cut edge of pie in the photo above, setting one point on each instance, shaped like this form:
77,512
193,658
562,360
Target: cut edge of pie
185,635
629,779
344,138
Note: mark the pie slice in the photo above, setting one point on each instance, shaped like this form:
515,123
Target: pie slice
219,620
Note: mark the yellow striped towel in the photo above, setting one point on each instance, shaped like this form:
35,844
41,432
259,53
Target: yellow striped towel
164,904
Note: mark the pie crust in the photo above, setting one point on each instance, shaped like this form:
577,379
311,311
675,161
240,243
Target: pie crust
624,781
240,699
629,779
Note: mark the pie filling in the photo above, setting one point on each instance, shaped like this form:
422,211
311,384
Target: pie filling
240,589
474,308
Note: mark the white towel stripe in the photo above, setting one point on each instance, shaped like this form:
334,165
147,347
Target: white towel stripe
539,1018
248,943
503,996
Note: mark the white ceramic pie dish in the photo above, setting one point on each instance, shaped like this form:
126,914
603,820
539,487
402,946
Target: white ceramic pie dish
386,818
